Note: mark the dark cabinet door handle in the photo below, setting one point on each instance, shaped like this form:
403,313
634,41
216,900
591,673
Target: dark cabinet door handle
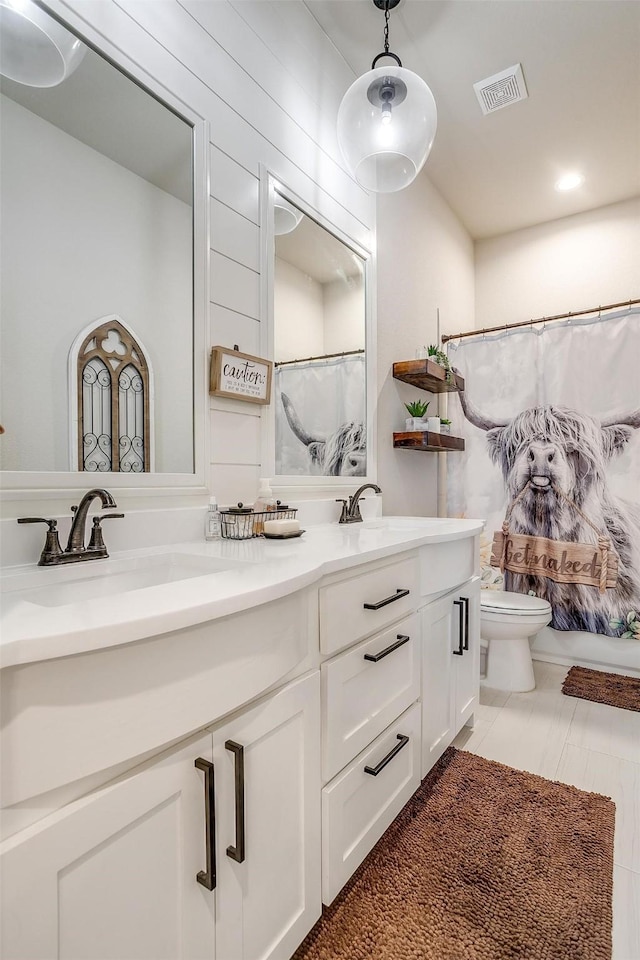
208,877
375,657
237,852
374,771
459,652
398,595
465,601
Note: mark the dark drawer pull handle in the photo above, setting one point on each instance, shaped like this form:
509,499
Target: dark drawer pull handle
237,852
398,595
374,657
208,877
459,652
374,771
465,601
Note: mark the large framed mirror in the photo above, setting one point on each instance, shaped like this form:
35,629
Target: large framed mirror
103,266
320,336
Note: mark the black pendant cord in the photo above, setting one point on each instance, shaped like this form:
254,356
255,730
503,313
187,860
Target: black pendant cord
386,52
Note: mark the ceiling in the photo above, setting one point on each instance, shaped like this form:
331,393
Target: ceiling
581,64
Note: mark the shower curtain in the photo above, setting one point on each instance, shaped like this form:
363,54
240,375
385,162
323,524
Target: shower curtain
569,395
325,394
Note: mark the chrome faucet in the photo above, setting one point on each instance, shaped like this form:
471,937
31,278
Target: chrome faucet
75,550
351,509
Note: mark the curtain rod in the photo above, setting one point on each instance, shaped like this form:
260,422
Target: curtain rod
528,323
324,356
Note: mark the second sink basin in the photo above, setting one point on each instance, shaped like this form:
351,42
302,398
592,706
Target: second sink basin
91,580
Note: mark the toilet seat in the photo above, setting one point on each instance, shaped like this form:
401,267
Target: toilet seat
504,603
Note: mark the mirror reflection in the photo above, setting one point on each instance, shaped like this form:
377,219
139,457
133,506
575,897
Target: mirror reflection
96,275
319,349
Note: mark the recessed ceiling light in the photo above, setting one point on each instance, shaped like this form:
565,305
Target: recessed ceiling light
570,181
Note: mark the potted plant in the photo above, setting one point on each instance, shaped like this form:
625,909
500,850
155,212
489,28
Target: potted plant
439,356
417,409
445,425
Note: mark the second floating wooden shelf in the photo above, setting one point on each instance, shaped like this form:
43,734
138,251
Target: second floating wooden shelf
429,442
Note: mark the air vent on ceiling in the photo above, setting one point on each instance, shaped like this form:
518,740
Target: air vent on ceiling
503,88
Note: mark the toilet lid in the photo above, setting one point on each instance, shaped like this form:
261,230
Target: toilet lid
520,603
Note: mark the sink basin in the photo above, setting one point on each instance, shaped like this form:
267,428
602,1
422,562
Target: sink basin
405,523
59,586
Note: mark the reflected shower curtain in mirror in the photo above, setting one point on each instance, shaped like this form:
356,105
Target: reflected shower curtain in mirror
551,422
319,412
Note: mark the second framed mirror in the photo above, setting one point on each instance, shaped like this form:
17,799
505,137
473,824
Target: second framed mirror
320,339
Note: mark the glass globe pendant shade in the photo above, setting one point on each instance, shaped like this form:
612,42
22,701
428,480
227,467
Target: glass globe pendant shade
386,127
35,49
286,217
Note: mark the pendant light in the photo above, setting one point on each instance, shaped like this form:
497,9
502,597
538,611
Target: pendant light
387,122
35,49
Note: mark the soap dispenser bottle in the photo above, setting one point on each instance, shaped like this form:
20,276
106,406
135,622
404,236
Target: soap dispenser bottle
212,521
265,502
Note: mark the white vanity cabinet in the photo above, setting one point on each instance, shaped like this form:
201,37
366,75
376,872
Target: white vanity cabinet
450,667
371,728
113,875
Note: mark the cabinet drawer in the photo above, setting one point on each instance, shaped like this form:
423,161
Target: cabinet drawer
357,807
365,688
444,566
362,605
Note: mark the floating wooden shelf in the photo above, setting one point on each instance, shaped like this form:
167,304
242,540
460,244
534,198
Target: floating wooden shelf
430,442
427,375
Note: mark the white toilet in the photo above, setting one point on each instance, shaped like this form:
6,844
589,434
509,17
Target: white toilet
507,620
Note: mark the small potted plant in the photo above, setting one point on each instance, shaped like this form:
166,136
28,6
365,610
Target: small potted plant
439,356
417,409
445,425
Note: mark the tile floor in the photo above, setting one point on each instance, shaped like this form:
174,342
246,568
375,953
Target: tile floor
590,745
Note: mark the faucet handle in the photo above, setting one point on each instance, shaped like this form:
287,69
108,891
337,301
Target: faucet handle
96,543
345,511
52,549
52,523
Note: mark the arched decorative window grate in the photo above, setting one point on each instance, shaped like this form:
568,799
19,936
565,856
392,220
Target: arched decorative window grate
113,401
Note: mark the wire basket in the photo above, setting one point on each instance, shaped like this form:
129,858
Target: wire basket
245,524
236,524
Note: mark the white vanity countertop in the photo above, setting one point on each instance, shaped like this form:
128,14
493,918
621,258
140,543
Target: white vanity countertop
37,625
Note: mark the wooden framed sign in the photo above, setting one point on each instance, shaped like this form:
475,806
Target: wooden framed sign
239,375
557,560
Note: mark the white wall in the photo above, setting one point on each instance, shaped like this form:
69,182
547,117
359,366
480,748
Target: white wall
130,257
344,311
571,264
425,263
298,306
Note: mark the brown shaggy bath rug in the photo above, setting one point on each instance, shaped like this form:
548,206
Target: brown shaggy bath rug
611,688
483,863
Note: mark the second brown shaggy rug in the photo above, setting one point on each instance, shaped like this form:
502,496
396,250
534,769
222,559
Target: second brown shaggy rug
611,688
484,863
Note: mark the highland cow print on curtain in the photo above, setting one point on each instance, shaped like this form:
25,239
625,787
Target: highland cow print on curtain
551,419
320,412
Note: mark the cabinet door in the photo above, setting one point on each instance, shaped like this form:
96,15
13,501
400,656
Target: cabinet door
467,667
268,826
113,875
438,690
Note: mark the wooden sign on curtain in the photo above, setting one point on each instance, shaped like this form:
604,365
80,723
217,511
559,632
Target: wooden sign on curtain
557,560
239,375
